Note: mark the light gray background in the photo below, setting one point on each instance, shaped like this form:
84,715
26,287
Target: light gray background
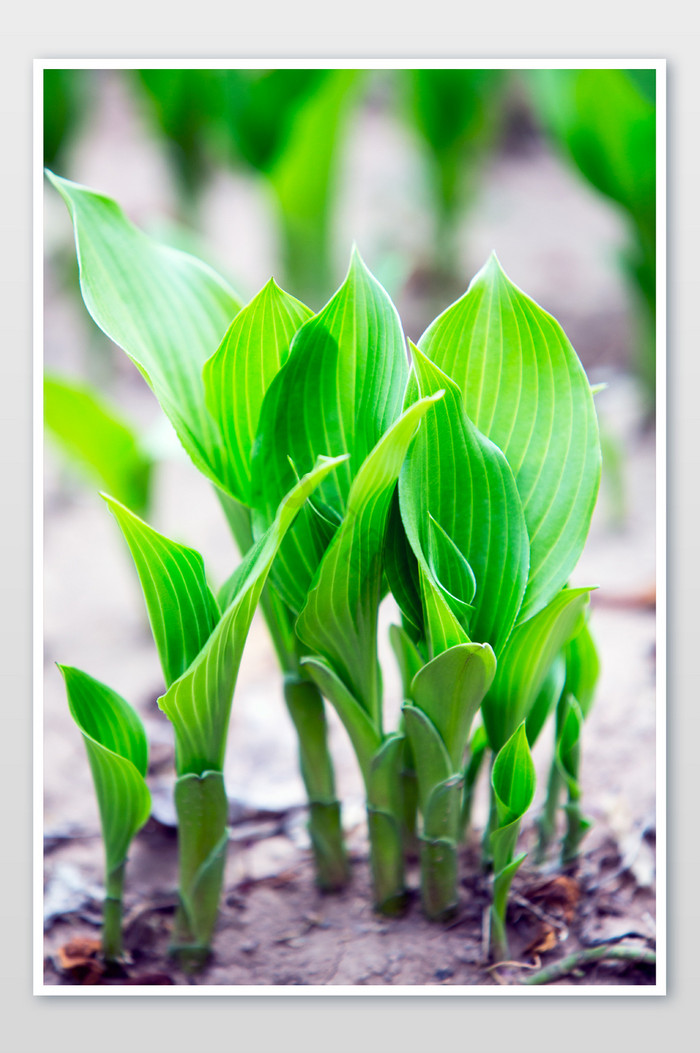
539,29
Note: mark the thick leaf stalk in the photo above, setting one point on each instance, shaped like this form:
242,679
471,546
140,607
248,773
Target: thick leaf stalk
385,822
410,660
446,695
339,622
476,755
305,704
112,911
513,781
117,751
202,811
200,641
547,820
582,667
568,757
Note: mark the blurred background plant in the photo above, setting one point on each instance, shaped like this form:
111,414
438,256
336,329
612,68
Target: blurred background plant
604,121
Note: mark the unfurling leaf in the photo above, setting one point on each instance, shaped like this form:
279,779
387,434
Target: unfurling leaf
523,386
165,308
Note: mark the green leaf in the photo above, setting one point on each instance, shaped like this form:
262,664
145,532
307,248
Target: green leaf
339,618
338,392
606,121
97,439
238,374
450,689
383,785
455,111
567,760
409,658
402,573
462,480
365,737
582,668
546,699
181,608
441,817
523,386
166,309
567,749
513,778
261,105
525,661
117,750
199,702
433,762
202,813
187,105
304,174
68,94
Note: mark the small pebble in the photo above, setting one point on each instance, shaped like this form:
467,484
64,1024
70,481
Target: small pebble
444,973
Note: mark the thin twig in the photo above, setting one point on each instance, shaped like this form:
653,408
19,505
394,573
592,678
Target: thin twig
521,901
592,954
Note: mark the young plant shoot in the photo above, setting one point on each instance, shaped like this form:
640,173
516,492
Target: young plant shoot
209,364
493,441
496,498
580,668
348,370
513,782
200,641
117,750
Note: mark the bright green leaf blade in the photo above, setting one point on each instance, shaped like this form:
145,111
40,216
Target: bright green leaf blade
523,386
525,661
401,571
97,439
513,778
166,309
568,740
462,480
181,608
451,570
340,389
433,763
106,717
365,737
582,668
117,750
409,658
339,619
199,702
238,374
443,629
384,794
450,689
546,699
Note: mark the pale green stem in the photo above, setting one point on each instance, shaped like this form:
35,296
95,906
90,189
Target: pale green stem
112,914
